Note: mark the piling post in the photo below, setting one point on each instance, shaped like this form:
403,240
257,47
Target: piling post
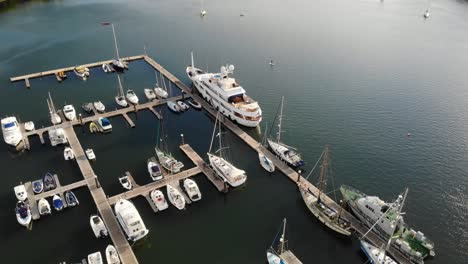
182,136
299,176
98,185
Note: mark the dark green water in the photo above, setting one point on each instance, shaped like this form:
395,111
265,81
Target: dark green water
357,75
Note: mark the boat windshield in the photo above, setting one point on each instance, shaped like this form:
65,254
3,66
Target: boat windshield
68,110
11,124
105,122
155,168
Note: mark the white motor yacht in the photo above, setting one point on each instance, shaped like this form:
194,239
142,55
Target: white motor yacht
149,93
95,258
154,170
100,107
44,207
68,153
173,106
175,197
126,183
132,97
69,112
192,190
130,220
11,131
111,255
183,106
105,124
90,154
225,94
99,229
20,193
23,213
159,200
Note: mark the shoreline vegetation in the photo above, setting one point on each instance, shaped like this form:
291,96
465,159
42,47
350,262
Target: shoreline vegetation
6,5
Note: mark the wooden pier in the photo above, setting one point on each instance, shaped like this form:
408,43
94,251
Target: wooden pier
290,258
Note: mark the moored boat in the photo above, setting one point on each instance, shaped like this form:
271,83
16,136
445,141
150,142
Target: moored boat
154,170
130,220
195,104
87,107
68,153
99,106
44,207
38,186
159,90
149,93
105,124
71,199
159,200
95,258
183,106
126,183
120,97
265,162
49,182
167,161
69,112
90,154
106,68
132,97
20,192
98,227
175,197
55,118
82,72
11,131
23,213
57,202
29,126
281,255
111,255
192,190
173,106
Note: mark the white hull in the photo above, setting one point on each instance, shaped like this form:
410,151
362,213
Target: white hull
98,227
26,219
224,169
160,92
182,105
69,112
376,255
130,220
159,200
95,258
168,162
11,131
90,154
154,171
175,197
173,106
29,126
125,182
55,118
111,255
273,259
100,107
120,100
150,95
68,153
20,193
44,207
132,97
192,190
266,163
287,154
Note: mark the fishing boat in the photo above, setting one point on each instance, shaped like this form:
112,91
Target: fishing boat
192,190
20,192
282,254
57,202
167,161
183,106
283,151
132,97
38,186
98,227
81,72
106,68
223,168
29,126
111,255
149,93
194,104
368,209
266,163
54,117
130,220
44,207
105,124
175,197
225,94
69,112
126,183
71,199
49,182
120,98
100,107
68,153
159,200
160,91
154,170
95,258
90,154
23,213
87,107
173,106
11,131
324,213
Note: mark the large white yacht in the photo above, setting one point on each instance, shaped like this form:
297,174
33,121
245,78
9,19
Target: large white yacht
130,220
11,131
226,95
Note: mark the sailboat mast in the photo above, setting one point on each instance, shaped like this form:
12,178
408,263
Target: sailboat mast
400,206
282,237
214,131
323,172
52,106
219,136
121,93
280,120
115,43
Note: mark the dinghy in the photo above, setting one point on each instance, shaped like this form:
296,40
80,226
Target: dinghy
106,68
182,105
23,213
57,202
38,186
191,188
111,255
173,106
154,170
194,104
20,192
126,183
29,126
99,229
68,153
93,127
175,197
159,200
81,72
95,258
90,154
100,107
132,97
71,199
44,207
149,93
87,107
49,182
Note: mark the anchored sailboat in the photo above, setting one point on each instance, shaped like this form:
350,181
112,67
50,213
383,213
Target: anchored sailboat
324,213
266,163
164,157
54,117
279,256
118,64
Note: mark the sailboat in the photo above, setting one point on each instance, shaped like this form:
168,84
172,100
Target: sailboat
266,163
223,168
283,151
120,98
118,64
277,256
172,105
166,160
324,213
159,91
54,117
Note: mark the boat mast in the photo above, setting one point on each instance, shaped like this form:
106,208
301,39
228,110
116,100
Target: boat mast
52,106
323,172
115,43
121,93
280,120
156,78
400,206
282,237
214,131
191,57
219,136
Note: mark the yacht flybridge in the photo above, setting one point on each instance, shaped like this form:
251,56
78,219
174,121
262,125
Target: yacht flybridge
226,95
130,220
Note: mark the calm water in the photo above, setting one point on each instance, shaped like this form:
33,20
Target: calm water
357,75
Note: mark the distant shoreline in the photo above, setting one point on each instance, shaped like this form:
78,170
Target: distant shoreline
6,5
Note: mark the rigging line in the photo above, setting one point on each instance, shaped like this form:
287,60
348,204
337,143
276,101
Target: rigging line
332,191
332,177
274,120
308,175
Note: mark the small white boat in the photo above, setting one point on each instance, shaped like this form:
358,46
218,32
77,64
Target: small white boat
81,72
272,63
173,106
194,104
150,94
111,255
20,193
191,188
87,107
44,207
203,13
29,126
69,112
105,124
100,107
175,197
182,105
266,163
160,92
125,182
106,68
11,131
68,153
38,186
90,154
99,229
159,200
95,258
23,213
154,170
55,118
426,14
57,202
120,100
132,97
119,65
